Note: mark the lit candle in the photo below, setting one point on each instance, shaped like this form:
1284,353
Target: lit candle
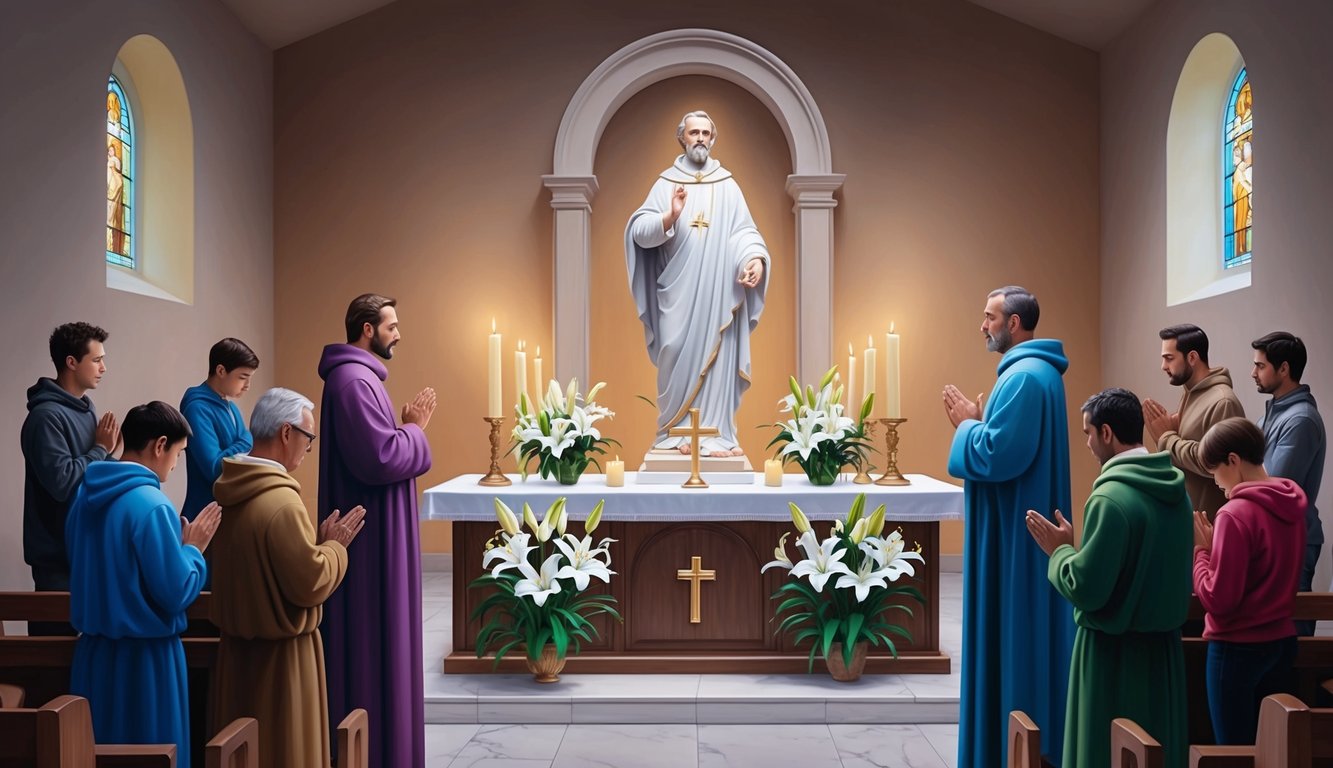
870,374
853,407
521,374
893,401
615,473
495,399
537,373
773,472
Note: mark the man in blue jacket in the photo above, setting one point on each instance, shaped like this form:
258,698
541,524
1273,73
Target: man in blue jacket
217,426
61,436
1294,436
1018,632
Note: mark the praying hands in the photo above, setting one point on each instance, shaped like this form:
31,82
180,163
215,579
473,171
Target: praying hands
1049,536
958,408
1158,420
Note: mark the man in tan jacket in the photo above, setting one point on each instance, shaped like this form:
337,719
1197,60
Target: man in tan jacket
1208,399
271,576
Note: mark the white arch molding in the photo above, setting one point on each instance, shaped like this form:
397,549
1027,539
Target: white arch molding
811,182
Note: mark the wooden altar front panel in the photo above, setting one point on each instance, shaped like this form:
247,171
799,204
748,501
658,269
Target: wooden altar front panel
736,631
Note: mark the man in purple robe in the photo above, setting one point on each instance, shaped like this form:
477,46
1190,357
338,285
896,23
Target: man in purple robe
372,623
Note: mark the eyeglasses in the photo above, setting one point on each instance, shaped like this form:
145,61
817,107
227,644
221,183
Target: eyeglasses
309,446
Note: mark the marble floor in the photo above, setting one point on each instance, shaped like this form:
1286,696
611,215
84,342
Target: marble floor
687,720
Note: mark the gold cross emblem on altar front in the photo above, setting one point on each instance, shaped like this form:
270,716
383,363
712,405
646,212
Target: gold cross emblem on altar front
695,575
699,221
694,432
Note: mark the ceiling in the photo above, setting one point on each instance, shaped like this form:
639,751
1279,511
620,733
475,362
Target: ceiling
1089,23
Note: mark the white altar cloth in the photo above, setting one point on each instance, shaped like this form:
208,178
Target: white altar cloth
925,499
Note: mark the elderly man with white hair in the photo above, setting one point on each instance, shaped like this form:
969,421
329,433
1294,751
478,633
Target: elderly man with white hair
272,573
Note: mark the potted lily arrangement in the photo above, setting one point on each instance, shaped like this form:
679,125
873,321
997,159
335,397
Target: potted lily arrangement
840,593
539,577
819,436
559,432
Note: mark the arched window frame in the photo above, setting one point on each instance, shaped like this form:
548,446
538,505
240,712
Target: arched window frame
1237,241
121,138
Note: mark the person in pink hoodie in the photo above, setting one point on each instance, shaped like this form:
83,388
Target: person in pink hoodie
1247,565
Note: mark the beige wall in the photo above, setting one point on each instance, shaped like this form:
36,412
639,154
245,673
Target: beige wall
1284,44
58,55
410,145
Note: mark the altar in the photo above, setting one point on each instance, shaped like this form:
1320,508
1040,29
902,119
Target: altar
732,531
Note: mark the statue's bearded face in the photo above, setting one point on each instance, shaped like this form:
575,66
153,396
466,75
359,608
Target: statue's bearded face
697,139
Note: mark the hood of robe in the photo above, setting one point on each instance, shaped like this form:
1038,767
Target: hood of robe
1280,497
344,354
241,481
1215,376
48,391
1152,474
106,481
1051,351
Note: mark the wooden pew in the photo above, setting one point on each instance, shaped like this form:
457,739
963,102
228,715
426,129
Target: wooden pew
354,740
1132,747
41,665
236,746
1024,741
60,735
1313,665
1290,734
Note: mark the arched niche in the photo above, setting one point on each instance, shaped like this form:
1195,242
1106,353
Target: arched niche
811,184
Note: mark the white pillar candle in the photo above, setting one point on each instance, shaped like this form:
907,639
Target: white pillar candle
615,473
537,372
893,389
853,409
870,375
495,397
521,375
773,472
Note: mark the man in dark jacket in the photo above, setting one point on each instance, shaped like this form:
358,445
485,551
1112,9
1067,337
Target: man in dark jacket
1294,436
61,436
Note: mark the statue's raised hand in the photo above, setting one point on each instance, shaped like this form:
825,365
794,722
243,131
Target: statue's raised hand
677,205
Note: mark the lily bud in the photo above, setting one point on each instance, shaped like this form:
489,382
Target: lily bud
796,392
876,525
858,508
828,377
859,531
837,526
780,551
594,518
562,521
508,522
593,392
798,517
529,519
544,532
569,395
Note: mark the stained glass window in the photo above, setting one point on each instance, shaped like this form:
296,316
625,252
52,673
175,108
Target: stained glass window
119,176
1237,181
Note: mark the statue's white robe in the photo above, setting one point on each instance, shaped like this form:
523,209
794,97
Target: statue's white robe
697,318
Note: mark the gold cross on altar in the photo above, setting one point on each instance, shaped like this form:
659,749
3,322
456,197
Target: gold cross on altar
699,222
695,575
694,432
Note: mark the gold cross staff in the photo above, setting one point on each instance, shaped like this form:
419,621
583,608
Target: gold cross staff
699,222
695,575
694,432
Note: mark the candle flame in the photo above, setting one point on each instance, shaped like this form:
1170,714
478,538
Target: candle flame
521,344
492,325
850,353
539,352
870,341
891,326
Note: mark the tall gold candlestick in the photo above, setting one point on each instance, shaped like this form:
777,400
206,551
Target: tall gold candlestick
891,474
495,476
863,475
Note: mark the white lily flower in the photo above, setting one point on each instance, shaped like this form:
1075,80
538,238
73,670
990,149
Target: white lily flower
780,553
889,555
559,439
582,422
554,399
804,438
864,578
583,562
787,404
511,555
537,585
821,562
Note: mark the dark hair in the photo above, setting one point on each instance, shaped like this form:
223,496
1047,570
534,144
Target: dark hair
1236,435
1018,301
1282,347
146,423
1120,409
231,354
71,340
365,309
1189,338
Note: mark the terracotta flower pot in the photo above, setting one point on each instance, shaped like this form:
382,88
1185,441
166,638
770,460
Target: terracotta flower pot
547,668
841,672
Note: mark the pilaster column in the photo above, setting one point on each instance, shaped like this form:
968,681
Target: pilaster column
571,197
813,195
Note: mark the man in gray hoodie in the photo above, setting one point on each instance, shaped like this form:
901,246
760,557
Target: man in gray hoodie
61,436
1294,435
